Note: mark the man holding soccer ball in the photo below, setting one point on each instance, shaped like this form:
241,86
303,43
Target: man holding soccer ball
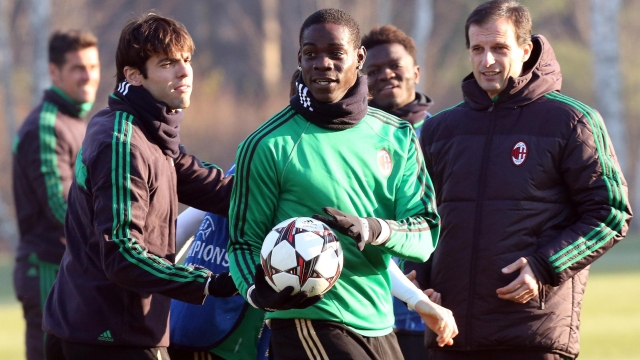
329,152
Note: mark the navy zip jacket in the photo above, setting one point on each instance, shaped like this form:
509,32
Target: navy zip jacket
531,174
117,276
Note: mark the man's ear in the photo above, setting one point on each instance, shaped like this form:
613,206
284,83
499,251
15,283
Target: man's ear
416,71
362,55
527,49
133,75
55,73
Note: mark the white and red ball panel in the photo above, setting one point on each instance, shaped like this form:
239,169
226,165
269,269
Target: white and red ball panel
303,253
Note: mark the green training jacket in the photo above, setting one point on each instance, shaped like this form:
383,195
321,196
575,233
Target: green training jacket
290,167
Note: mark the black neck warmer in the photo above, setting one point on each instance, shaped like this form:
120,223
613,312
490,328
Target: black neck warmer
343,114
155,116
414,112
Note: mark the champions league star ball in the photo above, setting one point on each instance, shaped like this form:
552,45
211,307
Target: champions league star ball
304,253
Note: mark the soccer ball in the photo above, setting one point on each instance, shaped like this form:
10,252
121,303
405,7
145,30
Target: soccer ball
304,253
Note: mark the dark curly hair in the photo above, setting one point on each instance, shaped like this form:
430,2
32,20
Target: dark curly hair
389,34
333,16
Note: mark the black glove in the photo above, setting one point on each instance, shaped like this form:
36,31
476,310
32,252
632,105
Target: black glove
264,297
363,230
222,285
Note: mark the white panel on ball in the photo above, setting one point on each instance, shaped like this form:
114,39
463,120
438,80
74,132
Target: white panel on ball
315,286
283,223
308,245
327,264
267,244
282,280
309,224
283,256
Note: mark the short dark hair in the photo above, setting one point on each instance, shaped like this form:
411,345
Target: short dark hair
498,9
62,42
333,16
147,36
389,34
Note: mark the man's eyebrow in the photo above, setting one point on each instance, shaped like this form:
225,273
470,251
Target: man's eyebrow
331,44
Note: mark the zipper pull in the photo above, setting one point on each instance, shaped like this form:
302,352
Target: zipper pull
491,108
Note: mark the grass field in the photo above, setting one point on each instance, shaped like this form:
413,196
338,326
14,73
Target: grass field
610,316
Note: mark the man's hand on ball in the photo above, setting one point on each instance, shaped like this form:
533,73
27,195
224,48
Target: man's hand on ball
363,230
263,296
222,285
438,319
524,287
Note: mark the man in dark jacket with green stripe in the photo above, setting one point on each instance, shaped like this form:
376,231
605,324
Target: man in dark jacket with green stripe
112,295
44,155
530,193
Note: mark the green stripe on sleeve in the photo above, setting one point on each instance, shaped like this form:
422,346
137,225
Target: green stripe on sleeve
607,230
49,161
122,210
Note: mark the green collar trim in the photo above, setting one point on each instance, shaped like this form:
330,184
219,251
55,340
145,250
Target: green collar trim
83,108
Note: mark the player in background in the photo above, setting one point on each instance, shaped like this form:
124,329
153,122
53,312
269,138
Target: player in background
44,156
326,151
530,193
112,295
392,71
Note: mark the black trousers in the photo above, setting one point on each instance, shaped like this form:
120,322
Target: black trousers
180,354
57,349
494,355
32,282
296,339
412,345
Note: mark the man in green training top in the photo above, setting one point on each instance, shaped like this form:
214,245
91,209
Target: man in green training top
327,151
44,156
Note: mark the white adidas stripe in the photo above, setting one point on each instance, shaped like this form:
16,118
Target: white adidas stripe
310,341
126,89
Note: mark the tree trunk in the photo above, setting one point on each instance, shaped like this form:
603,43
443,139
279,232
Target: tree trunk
385,12
271,46
8,229
605,15
39,19
6,61
422,28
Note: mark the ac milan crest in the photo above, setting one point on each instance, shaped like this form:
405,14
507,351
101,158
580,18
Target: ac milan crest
384,162
519,153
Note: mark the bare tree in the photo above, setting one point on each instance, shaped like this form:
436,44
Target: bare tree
422,28
8,229
39,23
606,62
271,62
6,61
385,12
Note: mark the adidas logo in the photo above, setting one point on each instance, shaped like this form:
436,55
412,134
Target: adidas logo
105,336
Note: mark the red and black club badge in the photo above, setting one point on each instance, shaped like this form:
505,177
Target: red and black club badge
519,153
384,162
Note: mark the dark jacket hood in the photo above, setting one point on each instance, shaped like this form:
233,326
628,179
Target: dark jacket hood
540,75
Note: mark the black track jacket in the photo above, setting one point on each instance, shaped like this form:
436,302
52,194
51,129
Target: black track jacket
532,174
117,275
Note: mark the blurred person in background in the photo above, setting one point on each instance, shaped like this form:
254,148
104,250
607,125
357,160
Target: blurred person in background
530,193
392,74
44,157
117,277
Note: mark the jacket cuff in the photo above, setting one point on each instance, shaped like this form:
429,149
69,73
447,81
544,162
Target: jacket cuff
542,270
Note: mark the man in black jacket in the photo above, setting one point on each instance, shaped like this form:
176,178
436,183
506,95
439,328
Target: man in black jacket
117,277
530,194
44,156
